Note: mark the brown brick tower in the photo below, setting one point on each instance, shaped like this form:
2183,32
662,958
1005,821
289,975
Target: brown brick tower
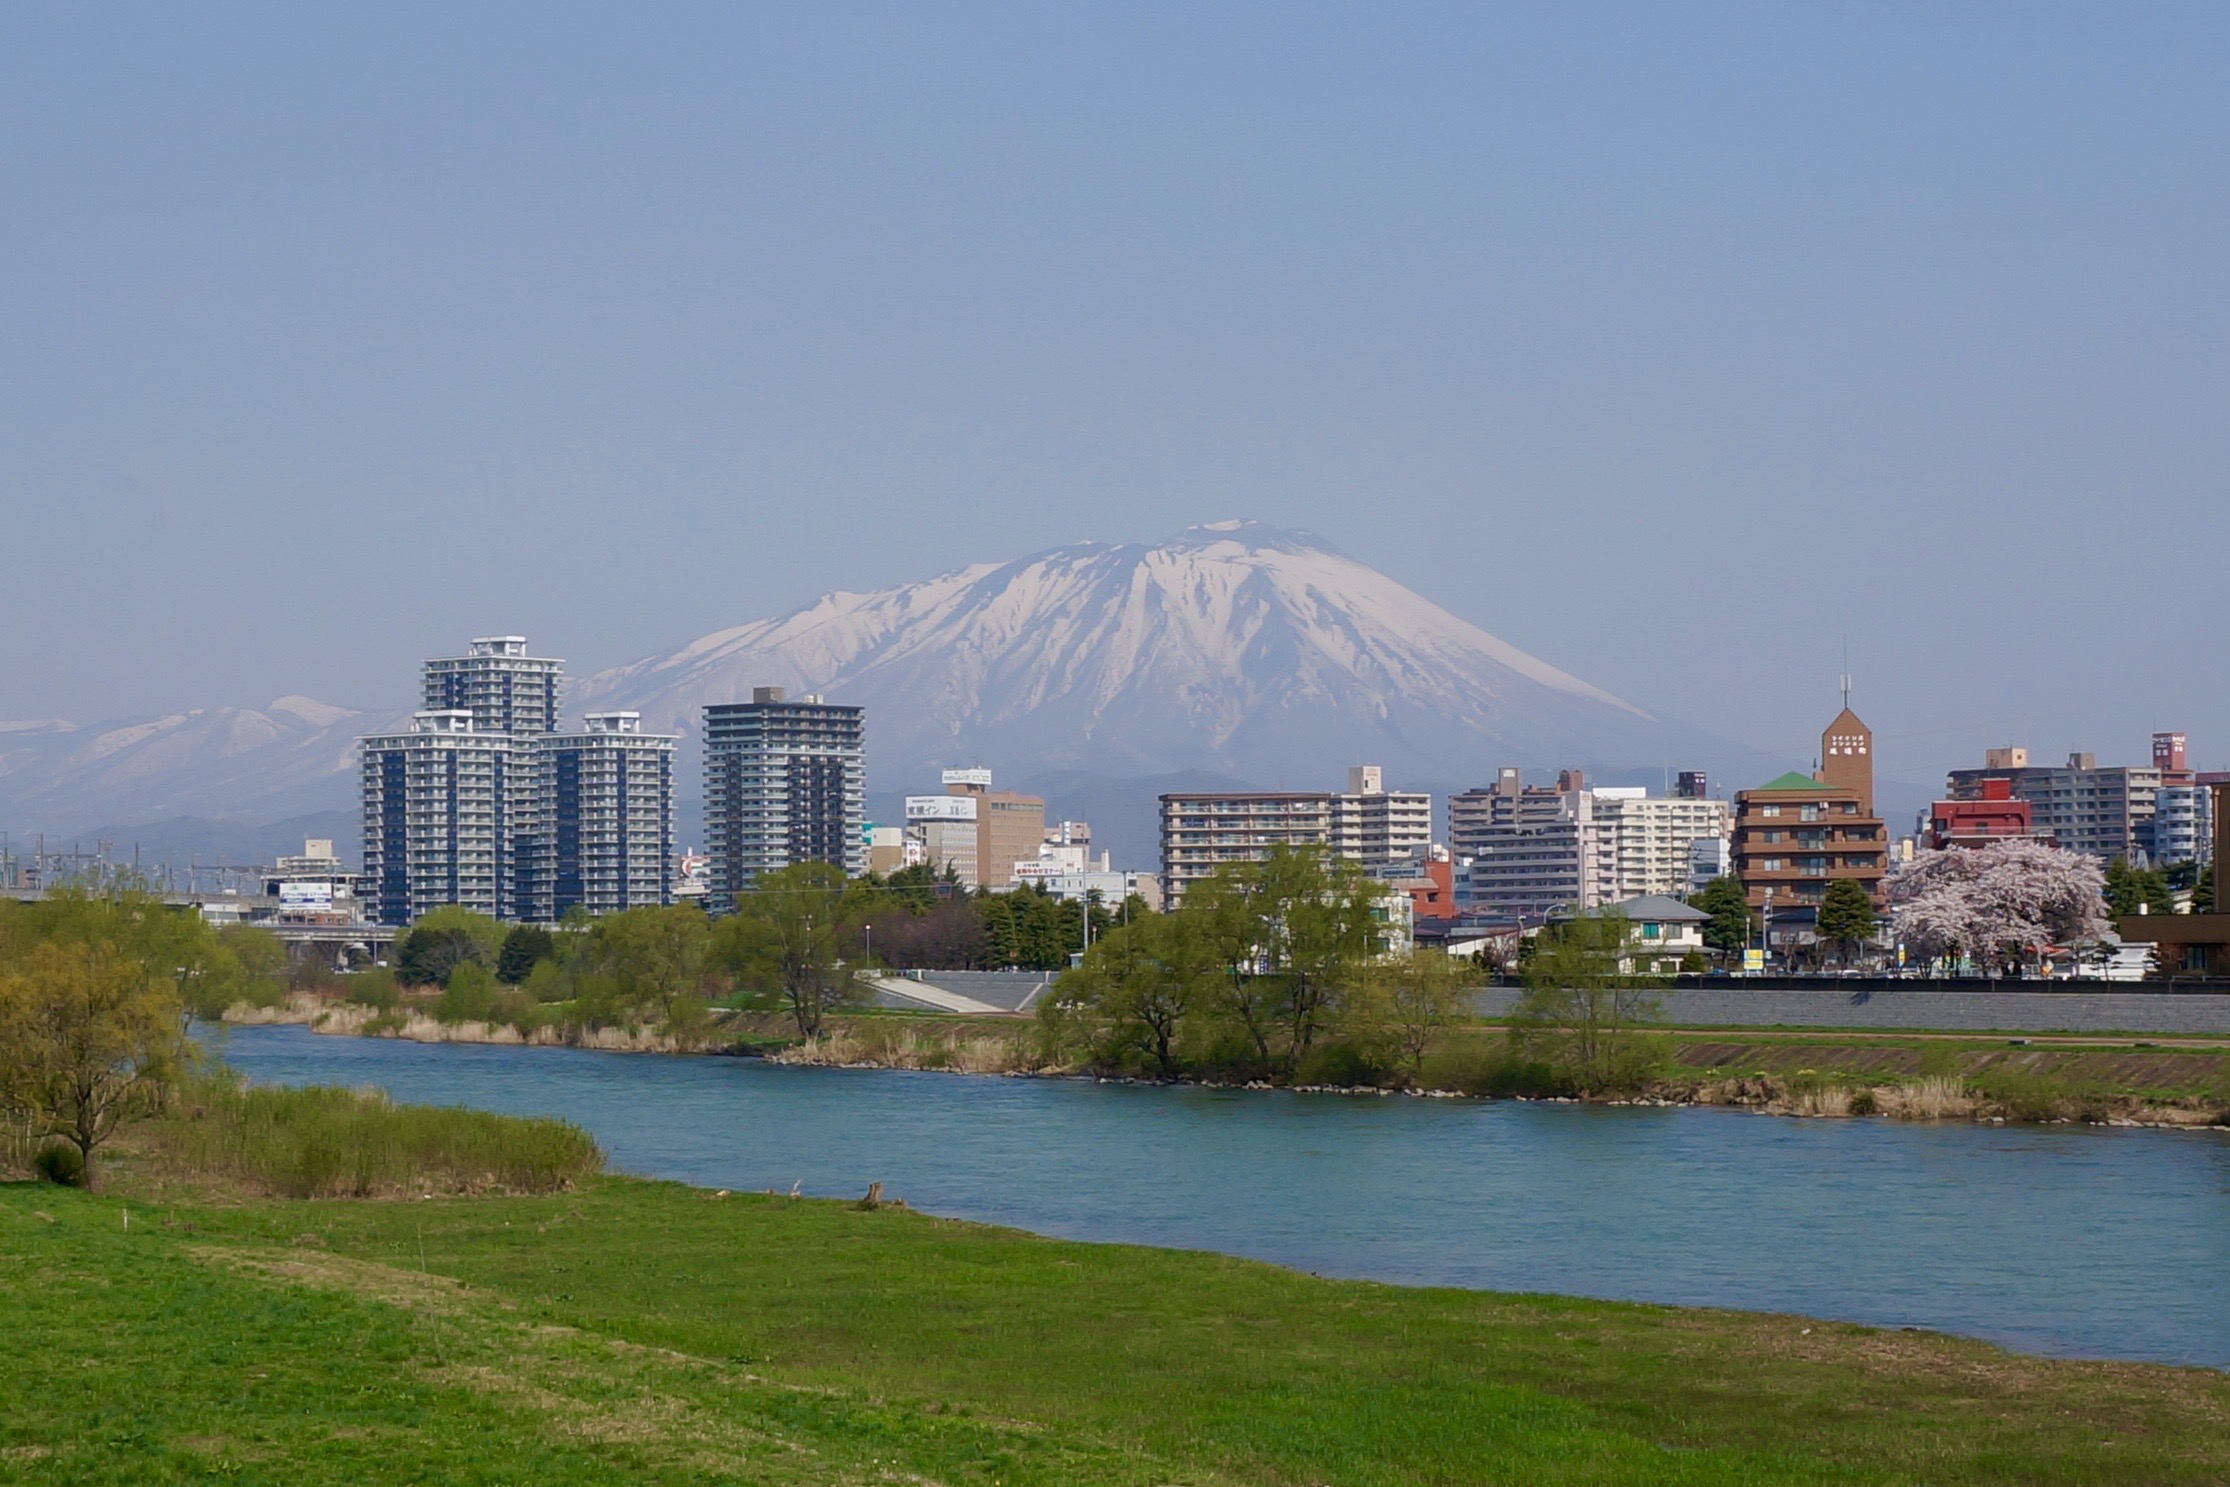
1847,758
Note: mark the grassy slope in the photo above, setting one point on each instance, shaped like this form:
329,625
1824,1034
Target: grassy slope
637,1331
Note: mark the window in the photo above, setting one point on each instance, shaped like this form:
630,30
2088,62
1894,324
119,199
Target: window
1811,813
1769,810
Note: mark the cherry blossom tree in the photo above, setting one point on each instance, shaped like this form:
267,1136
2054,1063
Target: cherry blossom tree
1996,906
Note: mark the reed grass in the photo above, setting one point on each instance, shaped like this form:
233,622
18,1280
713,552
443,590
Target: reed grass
323,1142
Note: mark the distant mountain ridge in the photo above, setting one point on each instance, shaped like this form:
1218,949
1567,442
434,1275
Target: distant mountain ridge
1234,650
292,756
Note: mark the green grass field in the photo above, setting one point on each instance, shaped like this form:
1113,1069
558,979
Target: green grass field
644,1332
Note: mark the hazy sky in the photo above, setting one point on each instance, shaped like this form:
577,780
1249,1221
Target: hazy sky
1670,343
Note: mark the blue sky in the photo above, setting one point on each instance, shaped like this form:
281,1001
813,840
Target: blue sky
1672,344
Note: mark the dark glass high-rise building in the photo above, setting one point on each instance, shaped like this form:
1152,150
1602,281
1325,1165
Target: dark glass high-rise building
785,782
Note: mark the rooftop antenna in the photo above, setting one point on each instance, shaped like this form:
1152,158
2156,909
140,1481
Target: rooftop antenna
1846,673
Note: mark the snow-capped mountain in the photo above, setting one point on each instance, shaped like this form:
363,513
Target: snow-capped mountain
1233,647
1230,652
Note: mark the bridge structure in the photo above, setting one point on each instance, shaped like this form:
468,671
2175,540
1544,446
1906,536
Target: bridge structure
301,936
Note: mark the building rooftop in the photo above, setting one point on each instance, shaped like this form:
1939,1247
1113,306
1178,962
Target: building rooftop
1792,781
1652,908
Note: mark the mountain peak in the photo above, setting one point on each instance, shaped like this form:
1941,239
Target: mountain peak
1249,535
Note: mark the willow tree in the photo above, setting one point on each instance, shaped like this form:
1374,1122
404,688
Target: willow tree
1142,983
1292,934
89,1039
784,944
1582,1007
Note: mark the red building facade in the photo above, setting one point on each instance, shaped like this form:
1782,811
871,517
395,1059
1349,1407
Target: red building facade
1996,817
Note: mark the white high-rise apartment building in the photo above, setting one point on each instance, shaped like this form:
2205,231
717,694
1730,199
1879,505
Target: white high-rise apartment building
1646,843
439,807
505,689
1204,831
1366,824
597,822
1377,827
2182,824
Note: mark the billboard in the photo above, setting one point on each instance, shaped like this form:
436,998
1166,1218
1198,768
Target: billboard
940,808
979,778
306,897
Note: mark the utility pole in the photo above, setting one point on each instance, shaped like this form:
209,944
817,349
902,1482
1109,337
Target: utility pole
1765,927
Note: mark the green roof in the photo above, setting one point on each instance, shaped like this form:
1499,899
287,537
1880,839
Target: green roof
1793,781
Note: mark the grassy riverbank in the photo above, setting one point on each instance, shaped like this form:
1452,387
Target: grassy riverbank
632,1331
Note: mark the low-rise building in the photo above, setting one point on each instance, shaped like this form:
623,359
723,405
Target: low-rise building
887,850
1993,816
1661,932
314,887
945,833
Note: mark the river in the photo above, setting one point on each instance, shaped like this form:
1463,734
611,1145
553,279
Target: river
2064,1240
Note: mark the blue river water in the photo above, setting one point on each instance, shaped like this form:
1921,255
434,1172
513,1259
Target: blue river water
2063,1240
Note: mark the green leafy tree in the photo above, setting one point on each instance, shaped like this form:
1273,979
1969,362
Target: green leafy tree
2123,890
2203,894
2131,890
170,941
1292,934
257,969
655,958
2160,897
376,988
1732,927
470,994
1580,1010
784,943
1846,917
443,939
1142,982
526,947
1416,998
90,1038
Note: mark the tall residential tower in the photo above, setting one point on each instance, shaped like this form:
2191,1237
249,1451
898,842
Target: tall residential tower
785,782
